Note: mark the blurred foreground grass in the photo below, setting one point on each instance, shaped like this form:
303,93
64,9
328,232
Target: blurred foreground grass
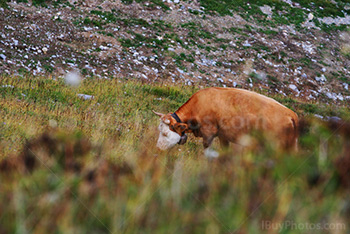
75,165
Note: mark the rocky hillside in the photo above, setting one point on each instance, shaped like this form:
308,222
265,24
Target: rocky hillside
288,47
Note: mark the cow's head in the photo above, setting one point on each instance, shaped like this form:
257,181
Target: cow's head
170,132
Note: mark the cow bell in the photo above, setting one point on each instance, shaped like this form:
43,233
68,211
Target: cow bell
183,139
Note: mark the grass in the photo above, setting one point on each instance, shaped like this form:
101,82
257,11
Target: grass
86,166
53,95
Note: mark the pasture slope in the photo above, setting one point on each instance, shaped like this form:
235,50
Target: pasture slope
83,159
89,165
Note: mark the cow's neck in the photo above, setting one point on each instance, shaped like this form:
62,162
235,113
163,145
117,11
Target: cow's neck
184,114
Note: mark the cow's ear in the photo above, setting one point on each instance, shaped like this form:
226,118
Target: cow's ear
180,127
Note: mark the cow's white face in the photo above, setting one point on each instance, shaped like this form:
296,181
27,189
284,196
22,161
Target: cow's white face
167,138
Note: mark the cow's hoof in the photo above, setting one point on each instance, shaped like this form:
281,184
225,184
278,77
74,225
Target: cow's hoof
210,153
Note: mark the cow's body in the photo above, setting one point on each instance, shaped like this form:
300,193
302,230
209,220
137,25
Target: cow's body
230,113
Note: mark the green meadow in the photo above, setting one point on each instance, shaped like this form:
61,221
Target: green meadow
70,164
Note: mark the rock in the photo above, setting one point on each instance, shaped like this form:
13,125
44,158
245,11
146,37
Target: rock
294,88
334,119
2,56
10,27
308,47
310,16
8,86
318,116
335,96
267,10
337,21
246,44
85,96
321,78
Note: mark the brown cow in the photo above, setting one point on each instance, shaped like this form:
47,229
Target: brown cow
228,113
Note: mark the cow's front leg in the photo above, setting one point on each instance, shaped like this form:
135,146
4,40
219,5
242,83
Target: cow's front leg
209,152
224,143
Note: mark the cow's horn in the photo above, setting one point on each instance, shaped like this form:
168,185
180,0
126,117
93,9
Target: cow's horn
157,113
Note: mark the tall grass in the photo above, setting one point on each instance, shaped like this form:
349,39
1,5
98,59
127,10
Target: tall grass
70,165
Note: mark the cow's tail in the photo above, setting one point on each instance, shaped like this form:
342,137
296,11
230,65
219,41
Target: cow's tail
295,136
